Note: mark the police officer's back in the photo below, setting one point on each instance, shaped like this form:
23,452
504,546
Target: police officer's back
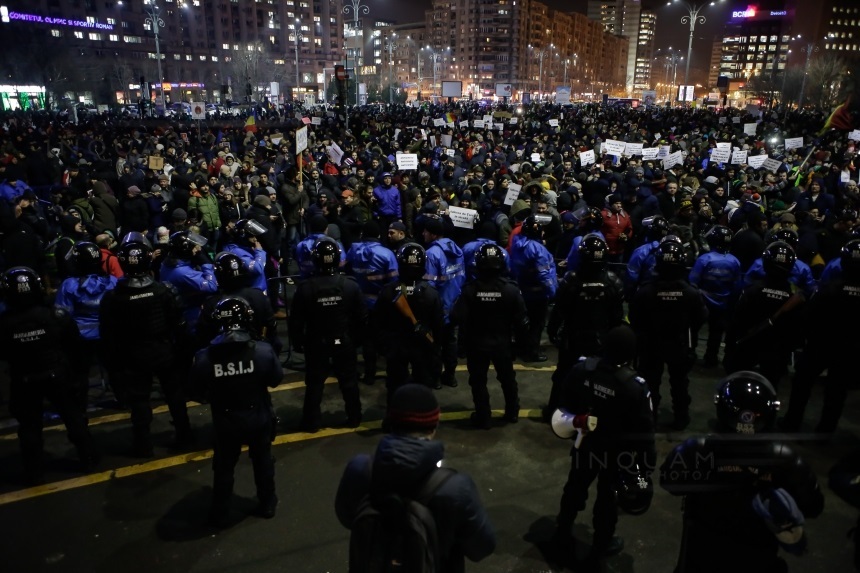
235,372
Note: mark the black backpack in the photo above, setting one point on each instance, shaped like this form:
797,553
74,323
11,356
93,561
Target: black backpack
392,533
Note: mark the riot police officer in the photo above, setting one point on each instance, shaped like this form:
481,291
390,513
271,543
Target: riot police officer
827,347
716,275
326,321
138,326
189,269
801,274
590,222
765,327
640,266
36,341
742,491
665,313
236,371
409,318
533,268
318,226
590,301
245,245
81,296
606,388
490,312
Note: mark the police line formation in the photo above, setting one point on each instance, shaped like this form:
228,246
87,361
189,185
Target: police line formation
622,233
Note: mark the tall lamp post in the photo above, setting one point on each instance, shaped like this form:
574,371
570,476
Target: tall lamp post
153,19
357,9
435,57
296,35
692,18
809,49
390,65
541,54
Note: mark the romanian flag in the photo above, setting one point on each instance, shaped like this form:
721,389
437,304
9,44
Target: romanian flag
251,122
450,117
841,118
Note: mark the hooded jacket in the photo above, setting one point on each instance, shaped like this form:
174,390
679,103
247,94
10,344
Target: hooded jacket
445,271
81,297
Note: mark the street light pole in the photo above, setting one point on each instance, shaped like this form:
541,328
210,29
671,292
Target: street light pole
154,20
390,65
296,38
357,8
692,18
809,49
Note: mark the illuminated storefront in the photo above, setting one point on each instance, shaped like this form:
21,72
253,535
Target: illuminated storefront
21,97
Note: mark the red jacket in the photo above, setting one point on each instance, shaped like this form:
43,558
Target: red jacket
110,264
615,225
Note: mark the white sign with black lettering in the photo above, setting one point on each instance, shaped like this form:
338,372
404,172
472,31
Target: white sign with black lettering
445,138
463,218
749,128
772,164
854,135
632,149
721,155
553,123
301,139
673,159
756,161
586,157
613,147
438,122
739,156
478,123
664,151
316,120
535,157
793,143
650,152
513,193
724,145
407,161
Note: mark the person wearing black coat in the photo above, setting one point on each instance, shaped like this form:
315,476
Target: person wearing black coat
134,213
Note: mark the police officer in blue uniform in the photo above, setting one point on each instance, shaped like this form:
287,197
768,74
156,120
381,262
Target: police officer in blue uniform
142,310
236,371
490,312
304,249
590,222
801,274
189,269
36,341
245,245
640,266
470,249
716,274
326,323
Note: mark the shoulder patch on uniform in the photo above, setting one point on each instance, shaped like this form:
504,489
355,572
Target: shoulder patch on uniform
639,379
582,359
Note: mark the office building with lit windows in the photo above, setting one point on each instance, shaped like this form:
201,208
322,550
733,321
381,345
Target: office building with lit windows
627,18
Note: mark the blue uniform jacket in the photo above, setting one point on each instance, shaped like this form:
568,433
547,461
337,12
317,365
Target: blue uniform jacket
573,255
82,297
533,267
254,261
640,267
303,254
193,286
801,276
388,201
469,251
832,270
717,276
445,272
373,266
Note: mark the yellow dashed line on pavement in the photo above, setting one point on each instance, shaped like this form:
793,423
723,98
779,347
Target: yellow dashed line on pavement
164,463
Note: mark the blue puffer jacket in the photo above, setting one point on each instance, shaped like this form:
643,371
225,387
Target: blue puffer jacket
303,254
373,266
533,268
573,255
194,286
401,464
801,276
445,272
81,297
640,267
254,261
717,276
832,271
469,251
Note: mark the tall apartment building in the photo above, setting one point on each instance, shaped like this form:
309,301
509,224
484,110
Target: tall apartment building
210,49
836,23
627,18
644,51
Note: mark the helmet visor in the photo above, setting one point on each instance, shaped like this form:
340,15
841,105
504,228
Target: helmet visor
199,240
254,228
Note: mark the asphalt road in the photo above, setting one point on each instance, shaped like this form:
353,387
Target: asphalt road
143,517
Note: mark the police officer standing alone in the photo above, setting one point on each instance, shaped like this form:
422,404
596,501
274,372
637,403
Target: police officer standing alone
489,312
327,318
235,372
138,324
606,388
35,341
666,313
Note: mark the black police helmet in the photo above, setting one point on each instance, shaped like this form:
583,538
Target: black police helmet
534,224
230,270
786,236
746,403
778,259
135,237
719,238
411,261
490,259
635,490
669,258
590,218
86,257
326,257
850,258
657,227
593,251
181,246
135,258
233,313
247,228
22,287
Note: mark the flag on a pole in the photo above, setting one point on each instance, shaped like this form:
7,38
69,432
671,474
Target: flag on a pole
251,122
841,118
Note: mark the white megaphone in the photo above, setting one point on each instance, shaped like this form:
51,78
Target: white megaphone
565,425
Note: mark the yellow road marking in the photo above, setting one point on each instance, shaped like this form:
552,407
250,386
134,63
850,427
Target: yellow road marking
160,464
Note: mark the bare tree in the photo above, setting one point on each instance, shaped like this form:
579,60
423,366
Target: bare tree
253,69
822,82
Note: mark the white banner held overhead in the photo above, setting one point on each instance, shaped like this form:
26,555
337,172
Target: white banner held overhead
553,123
335,153
721,155
513,193
586,157
673,159
464,124
749,128
478,123
772,164
301,139
756,161
198,110
793,143
854,135
632,149
724,145
613,147
650,153
446,139
739,156
316,120
438,122
407,161
463,218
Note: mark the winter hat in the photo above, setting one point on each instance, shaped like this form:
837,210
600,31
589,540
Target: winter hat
413,408
370,229
134,190
397,226
262,201
435,226
271,190
318,224
180,215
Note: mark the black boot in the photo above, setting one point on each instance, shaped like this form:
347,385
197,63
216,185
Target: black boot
267,506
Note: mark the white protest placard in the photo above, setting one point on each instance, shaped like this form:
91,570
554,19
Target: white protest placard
438,122
793,143
664,151
673,159
613,147
845,176
198,110
463,218
488,125
424,120
632,149
335,153
445,138
553,123
739,156
535,157
724,145
276,140
316,120
433,140
722,120
513,193
449,152
301,139
407,161
749,128
650,153
513,120
657,136
450,124
854,135
423,134
756,161
464,124
586,157
736,120
772,164
478,123
721,155
488,118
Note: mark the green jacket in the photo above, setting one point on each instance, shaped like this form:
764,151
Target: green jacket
208,207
